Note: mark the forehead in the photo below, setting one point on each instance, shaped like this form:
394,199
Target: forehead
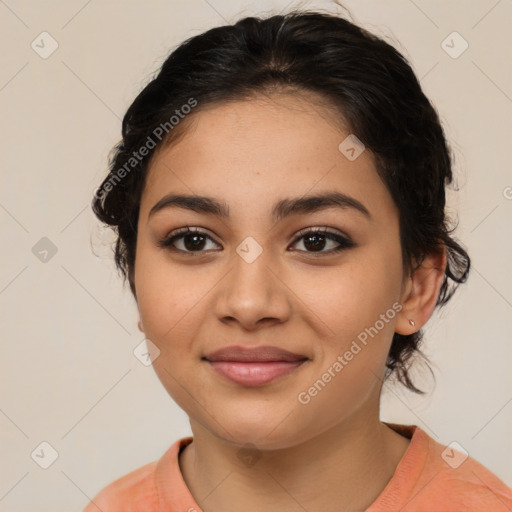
251,152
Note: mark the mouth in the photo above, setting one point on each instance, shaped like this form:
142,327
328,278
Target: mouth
256,366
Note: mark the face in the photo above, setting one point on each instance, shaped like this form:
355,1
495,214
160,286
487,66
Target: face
250,278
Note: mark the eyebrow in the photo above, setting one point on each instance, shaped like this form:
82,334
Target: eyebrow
282,209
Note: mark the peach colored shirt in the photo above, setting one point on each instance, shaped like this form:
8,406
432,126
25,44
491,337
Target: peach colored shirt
425,480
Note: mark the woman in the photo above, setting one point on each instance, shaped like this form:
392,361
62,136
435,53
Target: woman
279,199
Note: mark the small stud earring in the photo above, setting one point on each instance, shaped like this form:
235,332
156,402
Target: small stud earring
412,322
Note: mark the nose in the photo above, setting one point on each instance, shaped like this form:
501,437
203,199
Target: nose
252,294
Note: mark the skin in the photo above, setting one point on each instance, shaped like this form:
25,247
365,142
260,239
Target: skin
333,453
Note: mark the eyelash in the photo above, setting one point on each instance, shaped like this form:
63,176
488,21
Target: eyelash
345,243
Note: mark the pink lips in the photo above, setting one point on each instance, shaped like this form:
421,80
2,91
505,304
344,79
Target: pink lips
254,367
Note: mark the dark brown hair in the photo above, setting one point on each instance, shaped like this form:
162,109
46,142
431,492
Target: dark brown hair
358,73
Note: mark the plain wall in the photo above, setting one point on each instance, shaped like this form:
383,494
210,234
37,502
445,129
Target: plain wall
69,376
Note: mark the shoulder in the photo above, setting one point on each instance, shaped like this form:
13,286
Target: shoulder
134,491
473,487
432,476
149,488
456,479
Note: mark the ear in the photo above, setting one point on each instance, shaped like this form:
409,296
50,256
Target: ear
421,291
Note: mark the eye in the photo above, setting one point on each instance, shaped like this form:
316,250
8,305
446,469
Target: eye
316,239
189,240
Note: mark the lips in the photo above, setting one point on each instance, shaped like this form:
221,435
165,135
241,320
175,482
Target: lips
254,367
258,354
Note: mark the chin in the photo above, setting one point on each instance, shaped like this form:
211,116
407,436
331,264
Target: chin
269,432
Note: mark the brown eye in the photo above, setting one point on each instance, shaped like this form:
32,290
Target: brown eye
186,240
316,240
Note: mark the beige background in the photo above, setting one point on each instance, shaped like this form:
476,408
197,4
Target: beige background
69,376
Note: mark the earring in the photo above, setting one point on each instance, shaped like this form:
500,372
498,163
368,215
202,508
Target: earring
412,322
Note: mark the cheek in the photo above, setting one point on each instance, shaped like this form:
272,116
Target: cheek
169,304
352,297
358,308
165,297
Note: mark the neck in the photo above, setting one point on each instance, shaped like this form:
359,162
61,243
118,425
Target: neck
343,469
